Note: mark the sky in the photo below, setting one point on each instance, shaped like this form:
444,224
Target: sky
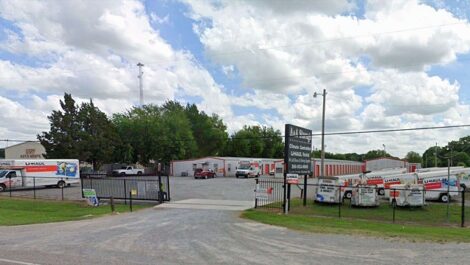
384,64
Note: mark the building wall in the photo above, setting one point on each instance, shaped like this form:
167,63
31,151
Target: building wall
28,150
384,163
224,166
335,167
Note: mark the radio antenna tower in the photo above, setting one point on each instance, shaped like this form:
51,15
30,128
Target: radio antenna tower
140,84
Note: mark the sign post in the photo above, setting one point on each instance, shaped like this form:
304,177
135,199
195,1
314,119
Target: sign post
298,146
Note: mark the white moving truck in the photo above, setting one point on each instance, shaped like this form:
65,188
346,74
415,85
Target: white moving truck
437,186
248,169
346,182
45,172
412,195
377,178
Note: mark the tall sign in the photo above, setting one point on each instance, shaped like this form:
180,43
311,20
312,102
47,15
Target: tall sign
298,145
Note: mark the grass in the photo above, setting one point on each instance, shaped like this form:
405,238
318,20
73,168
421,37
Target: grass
427,224
16,211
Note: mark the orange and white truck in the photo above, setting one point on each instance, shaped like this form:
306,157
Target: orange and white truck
44,172
377,178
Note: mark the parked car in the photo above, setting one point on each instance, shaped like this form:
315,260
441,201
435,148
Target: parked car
199,173
128,171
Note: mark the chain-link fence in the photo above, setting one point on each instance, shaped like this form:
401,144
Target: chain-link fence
404,204
42,188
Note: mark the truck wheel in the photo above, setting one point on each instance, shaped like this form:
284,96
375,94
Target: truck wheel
236,176
348,195
381,192
61,184
123,173
139,173
444,198
2,187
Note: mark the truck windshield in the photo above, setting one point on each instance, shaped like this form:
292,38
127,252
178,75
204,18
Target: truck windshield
244,166
3,173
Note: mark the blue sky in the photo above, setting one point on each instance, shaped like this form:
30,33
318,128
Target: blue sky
387,64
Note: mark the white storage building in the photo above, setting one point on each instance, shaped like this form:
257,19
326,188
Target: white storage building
223,166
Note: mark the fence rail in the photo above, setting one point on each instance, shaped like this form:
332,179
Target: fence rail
55,188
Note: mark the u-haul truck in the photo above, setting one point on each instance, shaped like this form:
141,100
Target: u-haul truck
377,178
45,172
248,169
436,186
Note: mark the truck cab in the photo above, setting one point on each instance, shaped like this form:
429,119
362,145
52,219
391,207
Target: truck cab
10,179
248,169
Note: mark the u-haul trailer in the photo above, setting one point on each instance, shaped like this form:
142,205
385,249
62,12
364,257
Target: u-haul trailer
365,196
339,184
377,178
437,186
45,172
329,190
412,195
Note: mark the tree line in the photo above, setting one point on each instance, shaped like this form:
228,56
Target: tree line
150,133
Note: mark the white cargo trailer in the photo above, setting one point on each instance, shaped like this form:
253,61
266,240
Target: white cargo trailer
329,190
407,195
45,172
365,196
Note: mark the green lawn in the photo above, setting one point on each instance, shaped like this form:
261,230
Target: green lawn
15,211
427,224
431,214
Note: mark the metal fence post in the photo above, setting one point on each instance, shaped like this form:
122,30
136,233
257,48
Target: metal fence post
256,187
305,190
339,202
125,191
81,185
462,222
130,200
62,189
288,196
34,188
9,188
160,190
394,204
168,188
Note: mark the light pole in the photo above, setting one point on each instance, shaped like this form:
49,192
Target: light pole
384,149
322,167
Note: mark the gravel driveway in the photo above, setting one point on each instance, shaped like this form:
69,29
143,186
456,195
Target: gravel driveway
205,236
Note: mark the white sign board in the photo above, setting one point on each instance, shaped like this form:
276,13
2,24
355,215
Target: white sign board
292,178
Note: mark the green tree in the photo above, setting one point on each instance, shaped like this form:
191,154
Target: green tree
209,132
98,135
255,141
413,157
373,154
63,138
461,159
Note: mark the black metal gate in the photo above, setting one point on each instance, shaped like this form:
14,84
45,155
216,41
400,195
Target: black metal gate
148,188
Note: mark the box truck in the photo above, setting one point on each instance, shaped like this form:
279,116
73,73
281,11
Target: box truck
377,178
248,169
407,178
440,186
45,172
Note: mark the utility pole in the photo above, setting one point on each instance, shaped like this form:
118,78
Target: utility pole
141,89
322,164
435,156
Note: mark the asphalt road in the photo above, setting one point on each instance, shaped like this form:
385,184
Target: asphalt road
202,227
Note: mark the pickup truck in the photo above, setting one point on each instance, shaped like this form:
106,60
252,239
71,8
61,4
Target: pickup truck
129,170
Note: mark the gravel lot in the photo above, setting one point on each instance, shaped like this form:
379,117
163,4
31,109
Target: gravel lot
193,235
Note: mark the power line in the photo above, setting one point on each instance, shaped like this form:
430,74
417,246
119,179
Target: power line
313,134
